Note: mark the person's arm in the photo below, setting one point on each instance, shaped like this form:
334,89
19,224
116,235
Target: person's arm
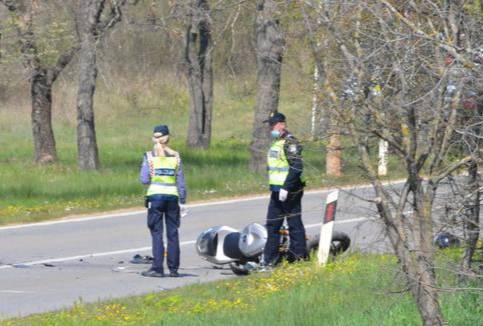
144,175
180,183
293,152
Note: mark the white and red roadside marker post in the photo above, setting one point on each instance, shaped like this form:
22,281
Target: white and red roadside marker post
327,227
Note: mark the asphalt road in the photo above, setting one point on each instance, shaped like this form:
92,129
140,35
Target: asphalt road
51,265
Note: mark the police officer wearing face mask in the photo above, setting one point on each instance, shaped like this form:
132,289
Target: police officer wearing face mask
285,168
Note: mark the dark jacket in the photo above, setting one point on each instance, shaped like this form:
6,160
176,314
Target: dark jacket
293,152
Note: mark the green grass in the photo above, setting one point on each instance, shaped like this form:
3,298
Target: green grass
357,290
125,116
30,193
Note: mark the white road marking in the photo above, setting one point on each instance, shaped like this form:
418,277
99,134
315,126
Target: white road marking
74,220
213,203
126,251
99,254
16,292
352,220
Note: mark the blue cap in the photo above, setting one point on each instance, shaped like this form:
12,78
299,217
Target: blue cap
275,118
163,129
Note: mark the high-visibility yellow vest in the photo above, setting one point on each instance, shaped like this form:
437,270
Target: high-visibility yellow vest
163,170
277,164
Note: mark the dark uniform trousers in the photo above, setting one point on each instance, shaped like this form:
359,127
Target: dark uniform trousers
277,212
169,210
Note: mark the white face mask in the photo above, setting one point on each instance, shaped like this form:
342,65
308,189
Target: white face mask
275,134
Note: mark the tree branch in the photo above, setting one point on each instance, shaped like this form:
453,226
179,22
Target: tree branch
62,62
451,169
452,49
114,17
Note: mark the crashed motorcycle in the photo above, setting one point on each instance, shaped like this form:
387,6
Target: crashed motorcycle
243,250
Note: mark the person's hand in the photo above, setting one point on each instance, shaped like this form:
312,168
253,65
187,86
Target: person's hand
282,195
183,210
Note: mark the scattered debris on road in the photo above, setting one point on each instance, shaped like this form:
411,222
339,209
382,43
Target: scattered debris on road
138,259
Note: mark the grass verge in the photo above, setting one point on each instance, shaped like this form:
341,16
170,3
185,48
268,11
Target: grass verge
357,290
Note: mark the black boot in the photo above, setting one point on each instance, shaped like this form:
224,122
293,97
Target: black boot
173,274
152,273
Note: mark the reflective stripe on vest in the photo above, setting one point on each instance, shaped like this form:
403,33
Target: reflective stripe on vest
163,175
277,164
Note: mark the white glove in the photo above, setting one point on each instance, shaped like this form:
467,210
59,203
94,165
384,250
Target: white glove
282,195
183,210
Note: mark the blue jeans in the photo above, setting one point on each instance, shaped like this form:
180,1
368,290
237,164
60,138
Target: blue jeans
168,209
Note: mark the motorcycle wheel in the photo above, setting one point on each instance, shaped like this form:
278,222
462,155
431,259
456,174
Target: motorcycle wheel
340,243
239,269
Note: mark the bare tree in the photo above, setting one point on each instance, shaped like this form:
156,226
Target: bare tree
322,119
417,114
89,17
471,218
472,196
91,28
269,47
199,72
41,75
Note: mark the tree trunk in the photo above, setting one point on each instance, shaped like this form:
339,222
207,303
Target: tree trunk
41,80
87,152
416,263
270,44
320,111
472,215
417,268
471,218
334,156
44,141
320,121
422,283
199,70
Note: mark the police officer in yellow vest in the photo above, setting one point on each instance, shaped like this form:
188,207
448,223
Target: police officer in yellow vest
285,169
162,171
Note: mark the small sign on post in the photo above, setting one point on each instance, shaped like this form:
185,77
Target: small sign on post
327,227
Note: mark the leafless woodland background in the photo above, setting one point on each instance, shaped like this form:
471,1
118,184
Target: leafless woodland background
405,73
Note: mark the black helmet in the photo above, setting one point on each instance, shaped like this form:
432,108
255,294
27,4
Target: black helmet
445,240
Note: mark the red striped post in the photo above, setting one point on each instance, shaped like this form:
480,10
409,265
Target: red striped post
327,227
